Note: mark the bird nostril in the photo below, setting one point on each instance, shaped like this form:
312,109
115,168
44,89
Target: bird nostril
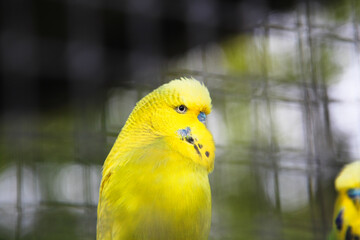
202,117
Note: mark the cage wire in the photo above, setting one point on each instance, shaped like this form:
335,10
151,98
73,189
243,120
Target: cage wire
285,110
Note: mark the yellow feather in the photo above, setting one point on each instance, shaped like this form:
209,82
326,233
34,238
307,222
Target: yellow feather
155,180
349,177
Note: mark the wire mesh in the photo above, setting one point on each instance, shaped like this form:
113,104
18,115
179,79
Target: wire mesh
285,109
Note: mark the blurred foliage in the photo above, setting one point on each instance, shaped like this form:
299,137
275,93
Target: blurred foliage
54,224
244,56
253,58
58,137
344,10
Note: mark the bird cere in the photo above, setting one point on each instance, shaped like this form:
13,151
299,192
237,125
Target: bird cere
155,182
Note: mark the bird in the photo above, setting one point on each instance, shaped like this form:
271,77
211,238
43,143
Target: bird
346,217
155,183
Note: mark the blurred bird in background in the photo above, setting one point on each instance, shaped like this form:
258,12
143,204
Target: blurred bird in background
155,179
346,220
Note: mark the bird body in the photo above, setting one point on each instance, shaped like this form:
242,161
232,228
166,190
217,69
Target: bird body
346,219
155,179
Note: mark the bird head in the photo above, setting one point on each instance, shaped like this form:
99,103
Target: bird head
349,177
348,181
177,112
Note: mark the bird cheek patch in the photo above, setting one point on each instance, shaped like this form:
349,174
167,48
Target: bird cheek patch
186,135
184,132
339,221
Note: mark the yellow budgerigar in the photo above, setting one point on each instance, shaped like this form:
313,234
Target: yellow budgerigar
155,182
346,220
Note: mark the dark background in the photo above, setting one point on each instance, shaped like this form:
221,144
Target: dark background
53,51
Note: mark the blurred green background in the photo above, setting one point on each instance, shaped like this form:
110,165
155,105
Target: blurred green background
285,86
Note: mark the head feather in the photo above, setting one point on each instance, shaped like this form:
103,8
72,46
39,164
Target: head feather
349,177
187,91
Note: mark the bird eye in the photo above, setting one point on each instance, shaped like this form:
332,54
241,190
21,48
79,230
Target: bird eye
181,109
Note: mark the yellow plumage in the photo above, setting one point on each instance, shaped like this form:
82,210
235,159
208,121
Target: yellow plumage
346,220
155,179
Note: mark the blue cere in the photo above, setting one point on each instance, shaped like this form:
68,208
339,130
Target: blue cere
354,193
202,117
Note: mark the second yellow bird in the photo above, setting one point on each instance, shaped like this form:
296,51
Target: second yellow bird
155,179
346,221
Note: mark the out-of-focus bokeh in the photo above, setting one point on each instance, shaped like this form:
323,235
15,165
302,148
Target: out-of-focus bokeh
284,77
